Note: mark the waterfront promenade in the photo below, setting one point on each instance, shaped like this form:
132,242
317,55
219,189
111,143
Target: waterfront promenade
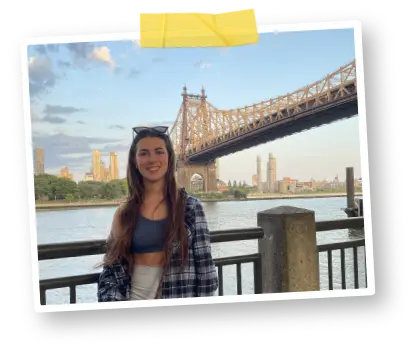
319,246
320,243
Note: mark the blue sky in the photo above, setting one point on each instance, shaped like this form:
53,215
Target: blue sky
89,95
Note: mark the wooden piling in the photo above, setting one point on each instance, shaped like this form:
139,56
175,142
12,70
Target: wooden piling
351,208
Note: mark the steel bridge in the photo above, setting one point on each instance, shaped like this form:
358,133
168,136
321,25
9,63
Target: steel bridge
202,133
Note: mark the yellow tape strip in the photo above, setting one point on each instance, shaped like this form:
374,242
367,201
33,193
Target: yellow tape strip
198,30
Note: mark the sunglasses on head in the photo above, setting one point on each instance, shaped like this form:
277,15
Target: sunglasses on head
159,129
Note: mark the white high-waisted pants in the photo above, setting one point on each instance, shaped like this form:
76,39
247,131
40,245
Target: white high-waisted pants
145,282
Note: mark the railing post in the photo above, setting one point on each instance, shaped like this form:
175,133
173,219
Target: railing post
289,255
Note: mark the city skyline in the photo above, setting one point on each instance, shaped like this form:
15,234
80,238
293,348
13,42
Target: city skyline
98,165
117,86
97,171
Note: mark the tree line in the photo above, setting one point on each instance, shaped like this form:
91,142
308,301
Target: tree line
50,187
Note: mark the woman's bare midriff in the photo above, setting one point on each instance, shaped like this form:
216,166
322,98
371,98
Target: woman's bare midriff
149,259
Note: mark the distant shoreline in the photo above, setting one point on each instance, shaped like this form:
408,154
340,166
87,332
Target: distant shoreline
77,205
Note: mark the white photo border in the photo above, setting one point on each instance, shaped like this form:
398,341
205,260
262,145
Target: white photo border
135,36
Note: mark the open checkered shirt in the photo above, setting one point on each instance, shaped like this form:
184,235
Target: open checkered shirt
197,279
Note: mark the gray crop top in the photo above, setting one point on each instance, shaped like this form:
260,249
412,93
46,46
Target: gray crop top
149,236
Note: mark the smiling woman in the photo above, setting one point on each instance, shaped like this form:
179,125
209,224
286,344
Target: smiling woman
159,245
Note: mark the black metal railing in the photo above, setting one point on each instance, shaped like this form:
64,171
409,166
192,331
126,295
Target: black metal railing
349,223
97,247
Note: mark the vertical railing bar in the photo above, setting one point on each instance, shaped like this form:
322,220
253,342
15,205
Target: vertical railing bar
220,281
257,276
42,296
356,284
260,274
72,294
239,289
365,267
344,286
330,275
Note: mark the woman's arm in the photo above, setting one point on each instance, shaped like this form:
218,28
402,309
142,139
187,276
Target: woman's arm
206,272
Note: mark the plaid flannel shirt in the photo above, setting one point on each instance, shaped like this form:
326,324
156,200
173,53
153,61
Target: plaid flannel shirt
198,279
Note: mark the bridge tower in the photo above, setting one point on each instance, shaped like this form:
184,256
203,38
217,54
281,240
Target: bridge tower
194,107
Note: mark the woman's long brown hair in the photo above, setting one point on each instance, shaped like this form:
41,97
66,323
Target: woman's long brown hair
118,245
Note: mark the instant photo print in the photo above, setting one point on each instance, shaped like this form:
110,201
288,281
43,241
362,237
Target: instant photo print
282,141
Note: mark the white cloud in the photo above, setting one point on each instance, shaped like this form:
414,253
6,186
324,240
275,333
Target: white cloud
103,54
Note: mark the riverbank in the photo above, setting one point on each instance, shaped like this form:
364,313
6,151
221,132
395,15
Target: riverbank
253,197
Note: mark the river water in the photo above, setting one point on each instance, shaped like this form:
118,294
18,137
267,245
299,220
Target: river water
56,226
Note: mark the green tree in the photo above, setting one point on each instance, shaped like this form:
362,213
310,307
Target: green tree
125,189
45,186
239,195
109,191
89,189
117,187
53,188
63,187
69,197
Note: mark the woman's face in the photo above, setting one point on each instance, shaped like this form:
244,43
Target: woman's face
152,158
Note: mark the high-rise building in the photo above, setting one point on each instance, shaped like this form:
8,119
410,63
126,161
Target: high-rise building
102,171
39,161
272,173
106,174
65,173
254,180
96,165
259,178
268,176
113,166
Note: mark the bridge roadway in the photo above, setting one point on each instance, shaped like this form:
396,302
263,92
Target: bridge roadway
339,109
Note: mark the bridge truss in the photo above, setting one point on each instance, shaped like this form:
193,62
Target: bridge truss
200,125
